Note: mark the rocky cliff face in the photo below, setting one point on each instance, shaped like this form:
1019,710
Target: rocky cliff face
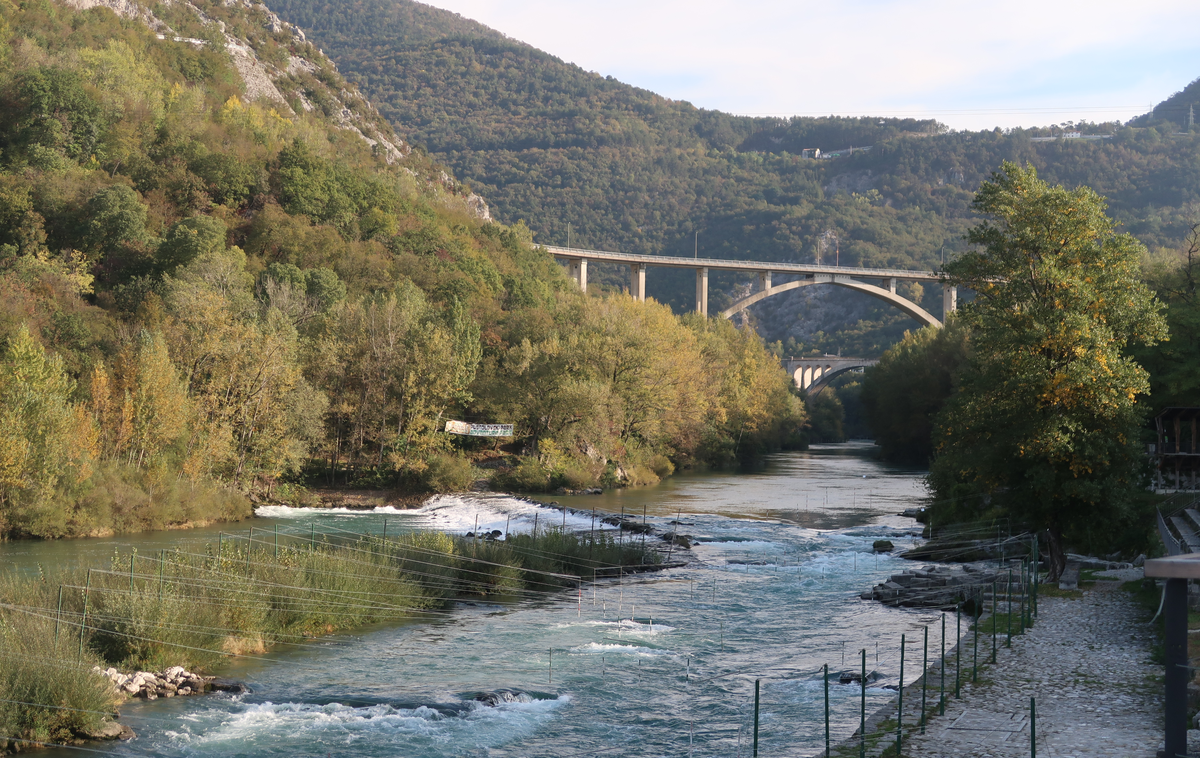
283,84
279,65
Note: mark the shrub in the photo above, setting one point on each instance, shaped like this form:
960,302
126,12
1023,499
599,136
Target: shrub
447,472
528,476
662,466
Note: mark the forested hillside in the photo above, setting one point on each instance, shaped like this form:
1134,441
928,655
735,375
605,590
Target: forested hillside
222,275
552,144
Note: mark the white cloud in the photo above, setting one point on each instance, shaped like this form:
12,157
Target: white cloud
972,65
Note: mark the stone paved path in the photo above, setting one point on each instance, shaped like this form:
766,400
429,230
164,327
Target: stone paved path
1087,661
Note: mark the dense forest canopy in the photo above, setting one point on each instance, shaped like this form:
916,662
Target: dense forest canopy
221,272
627,169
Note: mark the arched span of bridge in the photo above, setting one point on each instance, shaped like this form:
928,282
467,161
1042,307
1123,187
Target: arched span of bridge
908,306
814,374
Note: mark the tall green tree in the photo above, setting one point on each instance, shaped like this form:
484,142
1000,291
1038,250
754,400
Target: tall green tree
1045,424
910,385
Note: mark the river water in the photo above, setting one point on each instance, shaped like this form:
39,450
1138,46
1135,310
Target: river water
660,664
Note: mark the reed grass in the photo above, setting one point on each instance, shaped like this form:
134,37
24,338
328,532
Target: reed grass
239,598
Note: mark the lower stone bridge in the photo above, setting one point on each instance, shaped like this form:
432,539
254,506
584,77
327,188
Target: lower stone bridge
814,374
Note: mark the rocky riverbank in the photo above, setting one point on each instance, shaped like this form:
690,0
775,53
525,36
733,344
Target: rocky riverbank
944,587
151,685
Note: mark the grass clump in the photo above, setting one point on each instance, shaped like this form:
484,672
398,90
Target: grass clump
40,662
240,597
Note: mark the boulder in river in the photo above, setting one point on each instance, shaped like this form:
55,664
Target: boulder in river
883,546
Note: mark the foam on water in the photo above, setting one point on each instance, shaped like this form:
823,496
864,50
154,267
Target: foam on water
615,648
373,730
456,514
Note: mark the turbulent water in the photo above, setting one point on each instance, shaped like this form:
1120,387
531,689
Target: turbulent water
660,664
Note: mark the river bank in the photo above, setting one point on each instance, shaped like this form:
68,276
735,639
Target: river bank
1087,663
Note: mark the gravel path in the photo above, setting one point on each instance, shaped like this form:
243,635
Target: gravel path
1087,662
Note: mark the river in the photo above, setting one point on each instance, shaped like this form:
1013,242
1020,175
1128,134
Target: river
660,664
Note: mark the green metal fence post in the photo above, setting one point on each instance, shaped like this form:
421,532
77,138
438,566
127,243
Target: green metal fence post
975,627
924,678
957,649
1032,728
277,540
161,557
826,674
942,670
1037,567
132,556
249,547
900,701
87,592
756,683
862,710
1008,608
1024,591
58,618
312,538
994,597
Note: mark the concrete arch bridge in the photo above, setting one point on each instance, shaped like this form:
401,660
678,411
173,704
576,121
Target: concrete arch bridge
814,374
877,282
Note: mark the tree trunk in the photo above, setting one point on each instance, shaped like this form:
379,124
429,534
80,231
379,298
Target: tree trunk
1056,557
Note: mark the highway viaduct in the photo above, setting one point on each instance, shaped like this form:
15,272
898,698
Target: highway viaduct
859,279
811,373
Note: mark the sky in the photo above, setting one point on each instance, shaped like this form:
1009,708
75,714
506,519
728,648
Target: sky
970,65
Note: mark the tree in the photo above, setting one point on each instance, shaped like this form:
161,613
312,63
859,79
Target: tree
1045,424
910,385
46,443
1175,367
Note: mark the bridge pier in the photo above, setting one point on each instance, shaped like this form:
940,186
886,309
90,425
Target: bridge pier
949,300
891,285
637,281
702,291
764,281
577,270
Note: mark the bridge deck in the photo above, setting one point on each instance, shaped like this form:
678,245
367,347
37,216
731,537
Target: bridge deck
720,264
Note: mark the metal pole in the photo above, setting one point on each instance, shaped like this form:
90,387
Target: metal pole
277,540
826,675
957,649
1033,728
993,621
1008,606
87,592
756,683
1037,569
161,553
312,537
975,626
900,701
862,710
942,667
220,544
58,621
1024,593
385,530
550,668
924,678
249,547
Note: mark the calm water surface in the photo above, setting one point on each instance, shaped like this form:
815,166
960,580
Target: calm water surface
661,664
